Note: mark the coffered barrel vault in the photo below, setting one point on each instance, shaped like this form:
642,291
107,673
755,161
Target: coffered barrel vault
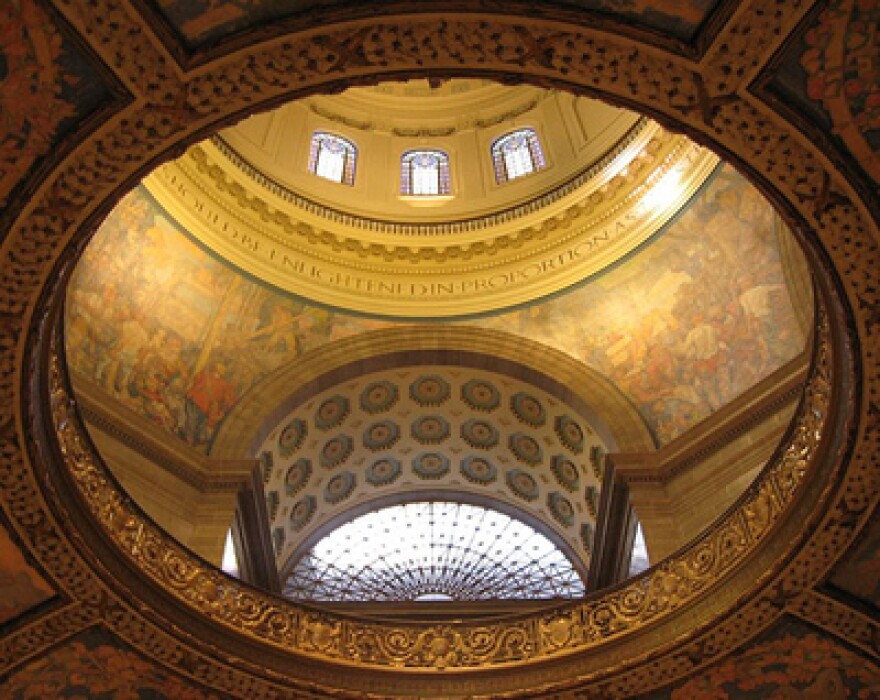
493,438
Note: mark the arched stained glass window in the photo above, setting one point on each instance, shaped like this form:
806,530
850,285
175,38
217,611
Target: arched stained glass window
516,154
424,173
433,551
332,157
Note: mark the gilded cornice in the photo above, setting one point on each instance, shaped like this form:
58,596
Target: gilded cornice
644,140
617,421
423,270
402,108
476,123
673,585
175,457
711,435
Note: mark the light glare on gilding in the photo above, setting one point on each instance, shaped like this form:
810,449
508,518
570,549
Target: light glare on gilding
663,192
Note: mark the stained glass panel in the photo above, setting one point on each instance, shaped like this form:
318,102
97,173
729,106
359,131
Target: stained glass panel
332,157
516,154
424,173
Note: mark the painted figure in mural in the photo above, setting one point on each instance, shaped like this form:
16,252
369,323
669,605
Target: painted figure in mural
209,397
158,379
682,328
278,331
132,339
705,348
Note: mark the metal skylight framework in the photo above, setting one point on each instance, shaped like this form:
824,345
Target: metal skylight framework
433,551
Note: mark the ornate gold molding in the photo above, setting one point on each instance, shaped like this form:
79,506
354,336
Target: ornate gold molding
746,412
618,422
644,139
856,628
432,270
671,586
179,459
38,637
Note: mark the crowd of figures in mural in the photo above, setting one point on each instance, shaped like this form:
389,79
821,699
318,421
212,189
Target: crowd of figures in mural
691,322
683,327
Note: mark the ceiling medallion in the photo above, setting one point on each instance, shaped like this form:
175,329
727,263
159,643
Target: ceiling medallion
425,270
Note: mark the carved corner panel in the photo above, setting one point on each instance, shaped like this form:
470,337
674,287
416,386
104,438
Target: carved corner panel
780,541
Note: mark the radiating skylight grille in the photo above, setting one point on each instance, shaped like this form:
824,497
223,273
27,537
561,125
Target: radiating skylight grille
433,551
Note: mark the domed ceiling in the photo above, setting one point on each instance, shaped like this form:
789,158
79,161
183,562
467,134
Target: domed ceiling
315,198
698,315
688,306
783,593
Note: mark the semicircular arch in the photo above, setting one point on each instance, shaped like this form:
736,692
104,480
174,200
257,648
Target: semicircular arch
616,419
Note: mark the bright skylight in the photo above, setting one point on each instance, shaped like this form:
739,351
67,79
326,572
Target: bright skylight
639,560
433,551
230,561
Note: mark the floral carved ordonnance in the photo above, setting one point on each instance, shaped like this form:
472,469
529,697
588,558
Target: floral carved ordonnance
672,585
710,99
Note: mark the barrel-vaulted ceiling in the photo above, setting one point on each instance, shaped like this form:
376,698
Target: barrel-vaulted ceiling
442,429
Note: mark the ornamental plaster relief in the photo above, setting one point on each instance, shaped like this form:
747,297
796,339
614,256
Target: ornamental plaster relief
705,89
379,269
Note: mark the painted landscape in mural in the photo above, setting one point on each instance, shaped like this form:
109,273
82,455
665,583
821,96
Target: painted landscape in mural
683,327
21,588
97,665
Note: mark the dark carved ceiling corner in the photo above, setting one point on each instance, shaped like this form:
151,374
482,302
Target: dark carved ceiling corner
73,141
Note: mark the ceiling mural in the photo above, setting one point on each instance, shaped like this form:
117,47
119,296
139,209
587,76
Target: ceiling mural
792,660
95,664
202,22
47,86
678,18
21,588
682,327
834,81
